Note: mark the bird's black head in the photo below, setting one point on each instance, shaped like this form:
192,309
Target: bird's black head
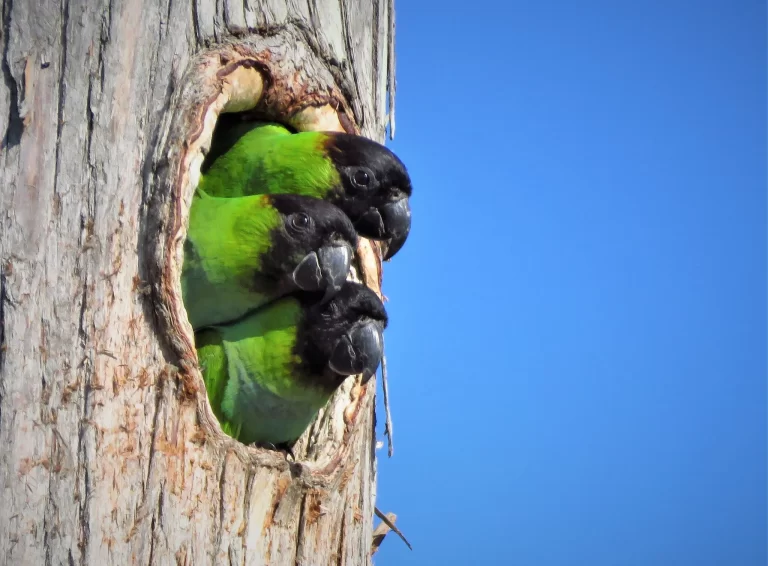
310,222
375,188
343,336
312,248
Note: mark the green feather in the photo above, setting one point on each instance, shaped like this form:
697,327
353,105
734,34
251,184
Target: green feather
225,243
252,377
269,159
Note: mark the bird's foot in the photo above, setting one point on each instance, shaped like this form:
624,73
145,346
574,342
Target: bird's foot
283,447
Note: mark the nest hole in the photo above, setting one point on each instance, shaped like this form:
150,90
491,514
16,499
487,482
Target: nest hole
225,86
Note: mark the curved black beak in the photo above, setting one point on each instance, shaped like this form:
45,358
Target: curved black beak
391,222
359,351
334,264
397,219
324,270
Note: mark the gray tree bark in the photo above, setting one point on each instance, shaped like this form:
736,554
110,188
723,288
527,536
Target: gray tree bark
110,453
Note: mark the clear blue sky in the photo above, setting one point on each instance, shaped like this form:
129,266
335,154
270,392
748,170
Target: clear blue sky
577,347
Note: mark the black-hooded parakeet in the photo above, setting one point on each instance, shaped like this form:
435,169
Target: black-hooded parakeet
241,253
363,178
269,373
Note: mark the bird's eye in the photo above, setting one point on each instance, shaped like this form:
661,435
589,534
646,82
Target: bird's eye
361,178
300,221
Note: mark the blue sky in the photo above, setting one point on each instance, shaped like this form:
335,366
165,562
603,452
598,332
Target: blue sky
577,346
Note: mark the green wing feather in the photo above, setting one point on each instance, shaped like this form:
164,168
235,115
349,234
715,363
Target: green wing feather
225,243
213,364
269,159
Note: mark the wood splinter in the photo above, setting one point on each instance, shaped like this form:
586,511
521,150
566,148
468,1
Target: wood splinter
387,524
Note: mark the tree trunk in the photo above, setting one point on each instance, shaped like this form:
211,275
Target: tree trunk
110,453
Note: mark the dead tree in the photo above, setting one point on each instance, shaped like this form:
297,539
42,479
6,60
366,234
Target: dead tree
110,453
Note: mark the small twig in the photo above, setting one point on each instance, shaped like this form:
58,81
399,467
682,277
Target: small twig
388,416
391,524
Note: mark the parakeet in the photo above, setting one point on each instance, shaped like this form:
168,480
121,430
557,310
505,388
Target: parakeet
269,373
242,253
363,178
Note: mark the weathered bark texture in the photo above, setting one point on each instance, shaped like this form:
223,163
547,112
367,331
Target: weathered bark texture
110,454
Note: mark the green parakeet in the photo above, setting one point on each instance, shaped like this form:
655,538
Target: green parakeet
363,178
242,253
269,373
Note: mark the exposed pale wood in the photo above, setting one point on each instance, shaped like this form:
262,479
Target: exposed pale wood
110,453
381,531
388,520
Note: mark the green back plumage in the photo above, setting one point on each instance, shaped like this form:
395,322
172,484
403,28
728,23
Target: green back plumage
251,375
269,160
213,363
225,243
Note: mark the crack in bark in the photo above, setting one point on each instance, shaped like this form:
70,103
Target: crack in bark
354,97
85,367
84,464
15,129
83,306
62,91
196,24
340,549
44,393
300,530
153,149
157,518
3,301
222,482
151,541
89,122
108,21
312,9
167,22
87,219
224,11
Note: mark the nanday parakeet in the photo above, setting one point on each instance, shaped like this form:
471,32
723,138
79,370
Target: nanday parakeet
242,253
269,373
363,178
